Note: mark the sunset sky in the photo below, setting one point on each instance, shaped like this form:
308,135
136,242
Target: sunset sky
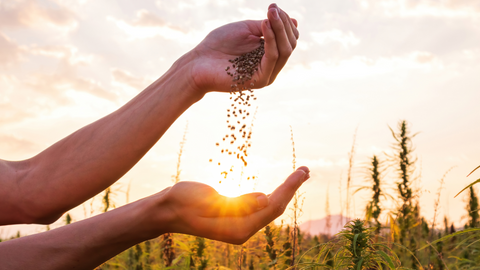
359,65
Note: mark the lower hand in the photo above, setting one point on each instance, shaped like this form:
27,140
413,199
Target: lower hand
197,209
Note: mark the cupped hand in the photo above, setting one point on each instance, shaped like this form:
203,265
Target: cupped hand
232,40
198,209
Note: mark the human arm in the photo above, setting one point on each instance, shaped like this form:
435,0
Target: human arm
42,188
187,207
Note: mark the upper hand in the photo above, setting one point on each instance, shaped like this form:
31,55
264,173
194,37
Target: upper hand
232,40
197,209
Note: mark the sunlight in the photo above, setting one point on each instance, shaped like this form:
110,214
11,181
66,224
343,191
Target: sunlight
231,180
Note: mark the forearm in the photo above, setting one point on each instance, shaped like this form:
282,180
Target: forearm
85,244
91,159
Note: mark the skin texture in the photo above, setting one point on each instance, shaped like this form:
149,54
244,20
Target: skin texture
42,188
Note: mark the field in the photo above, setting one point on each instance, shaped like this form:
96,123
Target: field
404,240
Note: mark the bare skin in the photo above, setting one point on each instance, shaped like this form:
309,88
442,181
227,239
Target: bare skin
42,188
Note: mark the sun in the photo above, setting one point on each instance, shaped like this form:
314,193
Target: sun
232,180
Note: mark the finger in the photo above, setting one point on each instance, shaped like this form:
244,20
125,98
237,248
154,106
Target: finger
246,204
283,43
221,206
237,230
270,57
295,22
282,195
255,27
293,26
287,22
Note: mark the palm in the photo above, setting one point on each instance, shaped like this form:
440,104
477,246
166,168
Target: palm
201,211
221,45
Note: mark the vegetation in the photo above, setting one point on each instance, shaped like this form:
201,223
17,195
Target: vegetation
406,241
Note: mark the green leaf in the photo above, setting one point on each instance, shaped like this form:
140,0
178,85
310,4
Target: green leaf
182,246
355,244
450,236
477,181
387,259
411,253
359,264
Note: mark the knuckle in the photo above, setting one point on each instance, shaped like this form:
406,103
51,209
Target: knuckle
294,44
287,51
274,54
278,211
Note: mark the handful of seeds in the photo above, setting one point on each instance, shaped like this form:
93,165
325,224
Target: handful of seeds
238,139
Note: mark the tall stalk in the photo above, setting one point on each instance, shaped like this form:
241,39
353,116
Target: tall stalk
167,241
351,156
374,205
405,163
472,208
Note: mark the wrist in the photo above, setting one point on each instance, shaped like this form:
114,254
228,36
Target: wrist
183,71
156,215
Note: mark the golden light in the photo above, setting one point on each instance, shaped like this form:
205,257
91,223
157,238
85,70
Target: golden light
231,178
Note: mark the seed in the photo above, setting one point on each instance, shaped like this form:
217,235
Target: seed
241,70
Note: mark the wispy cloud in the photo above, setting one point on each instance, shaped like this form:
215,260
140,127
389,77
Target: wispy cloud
434,8
19,146
148,25
346,39
29,13
10,52
126,78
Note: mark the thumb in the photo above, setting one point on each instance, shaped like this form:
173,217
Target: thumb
280,198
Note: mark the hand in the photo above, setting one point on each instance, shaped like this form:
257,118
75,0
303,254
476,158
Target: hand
197,209
232,40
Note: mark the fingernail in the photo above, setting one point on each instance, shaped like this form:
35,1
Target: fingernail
275,14
306,177
262,202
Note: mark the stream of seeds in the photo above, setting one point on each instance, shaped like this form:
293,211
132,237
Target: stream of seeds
237,141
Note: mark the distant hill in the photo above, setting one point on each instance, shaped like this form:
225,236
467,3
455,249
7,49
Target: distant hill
317,226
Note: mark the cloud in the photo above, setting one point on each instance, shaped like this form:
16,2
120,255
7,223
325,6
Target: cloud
12,144
68,53
126,78
148,19
361,67
434,8
12,114
64,80
423,57
65,77
10,52
29,13
347,40
148,25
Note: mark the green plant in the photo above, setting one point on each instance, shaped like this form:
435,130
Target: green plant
358,250
472,209
270,245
